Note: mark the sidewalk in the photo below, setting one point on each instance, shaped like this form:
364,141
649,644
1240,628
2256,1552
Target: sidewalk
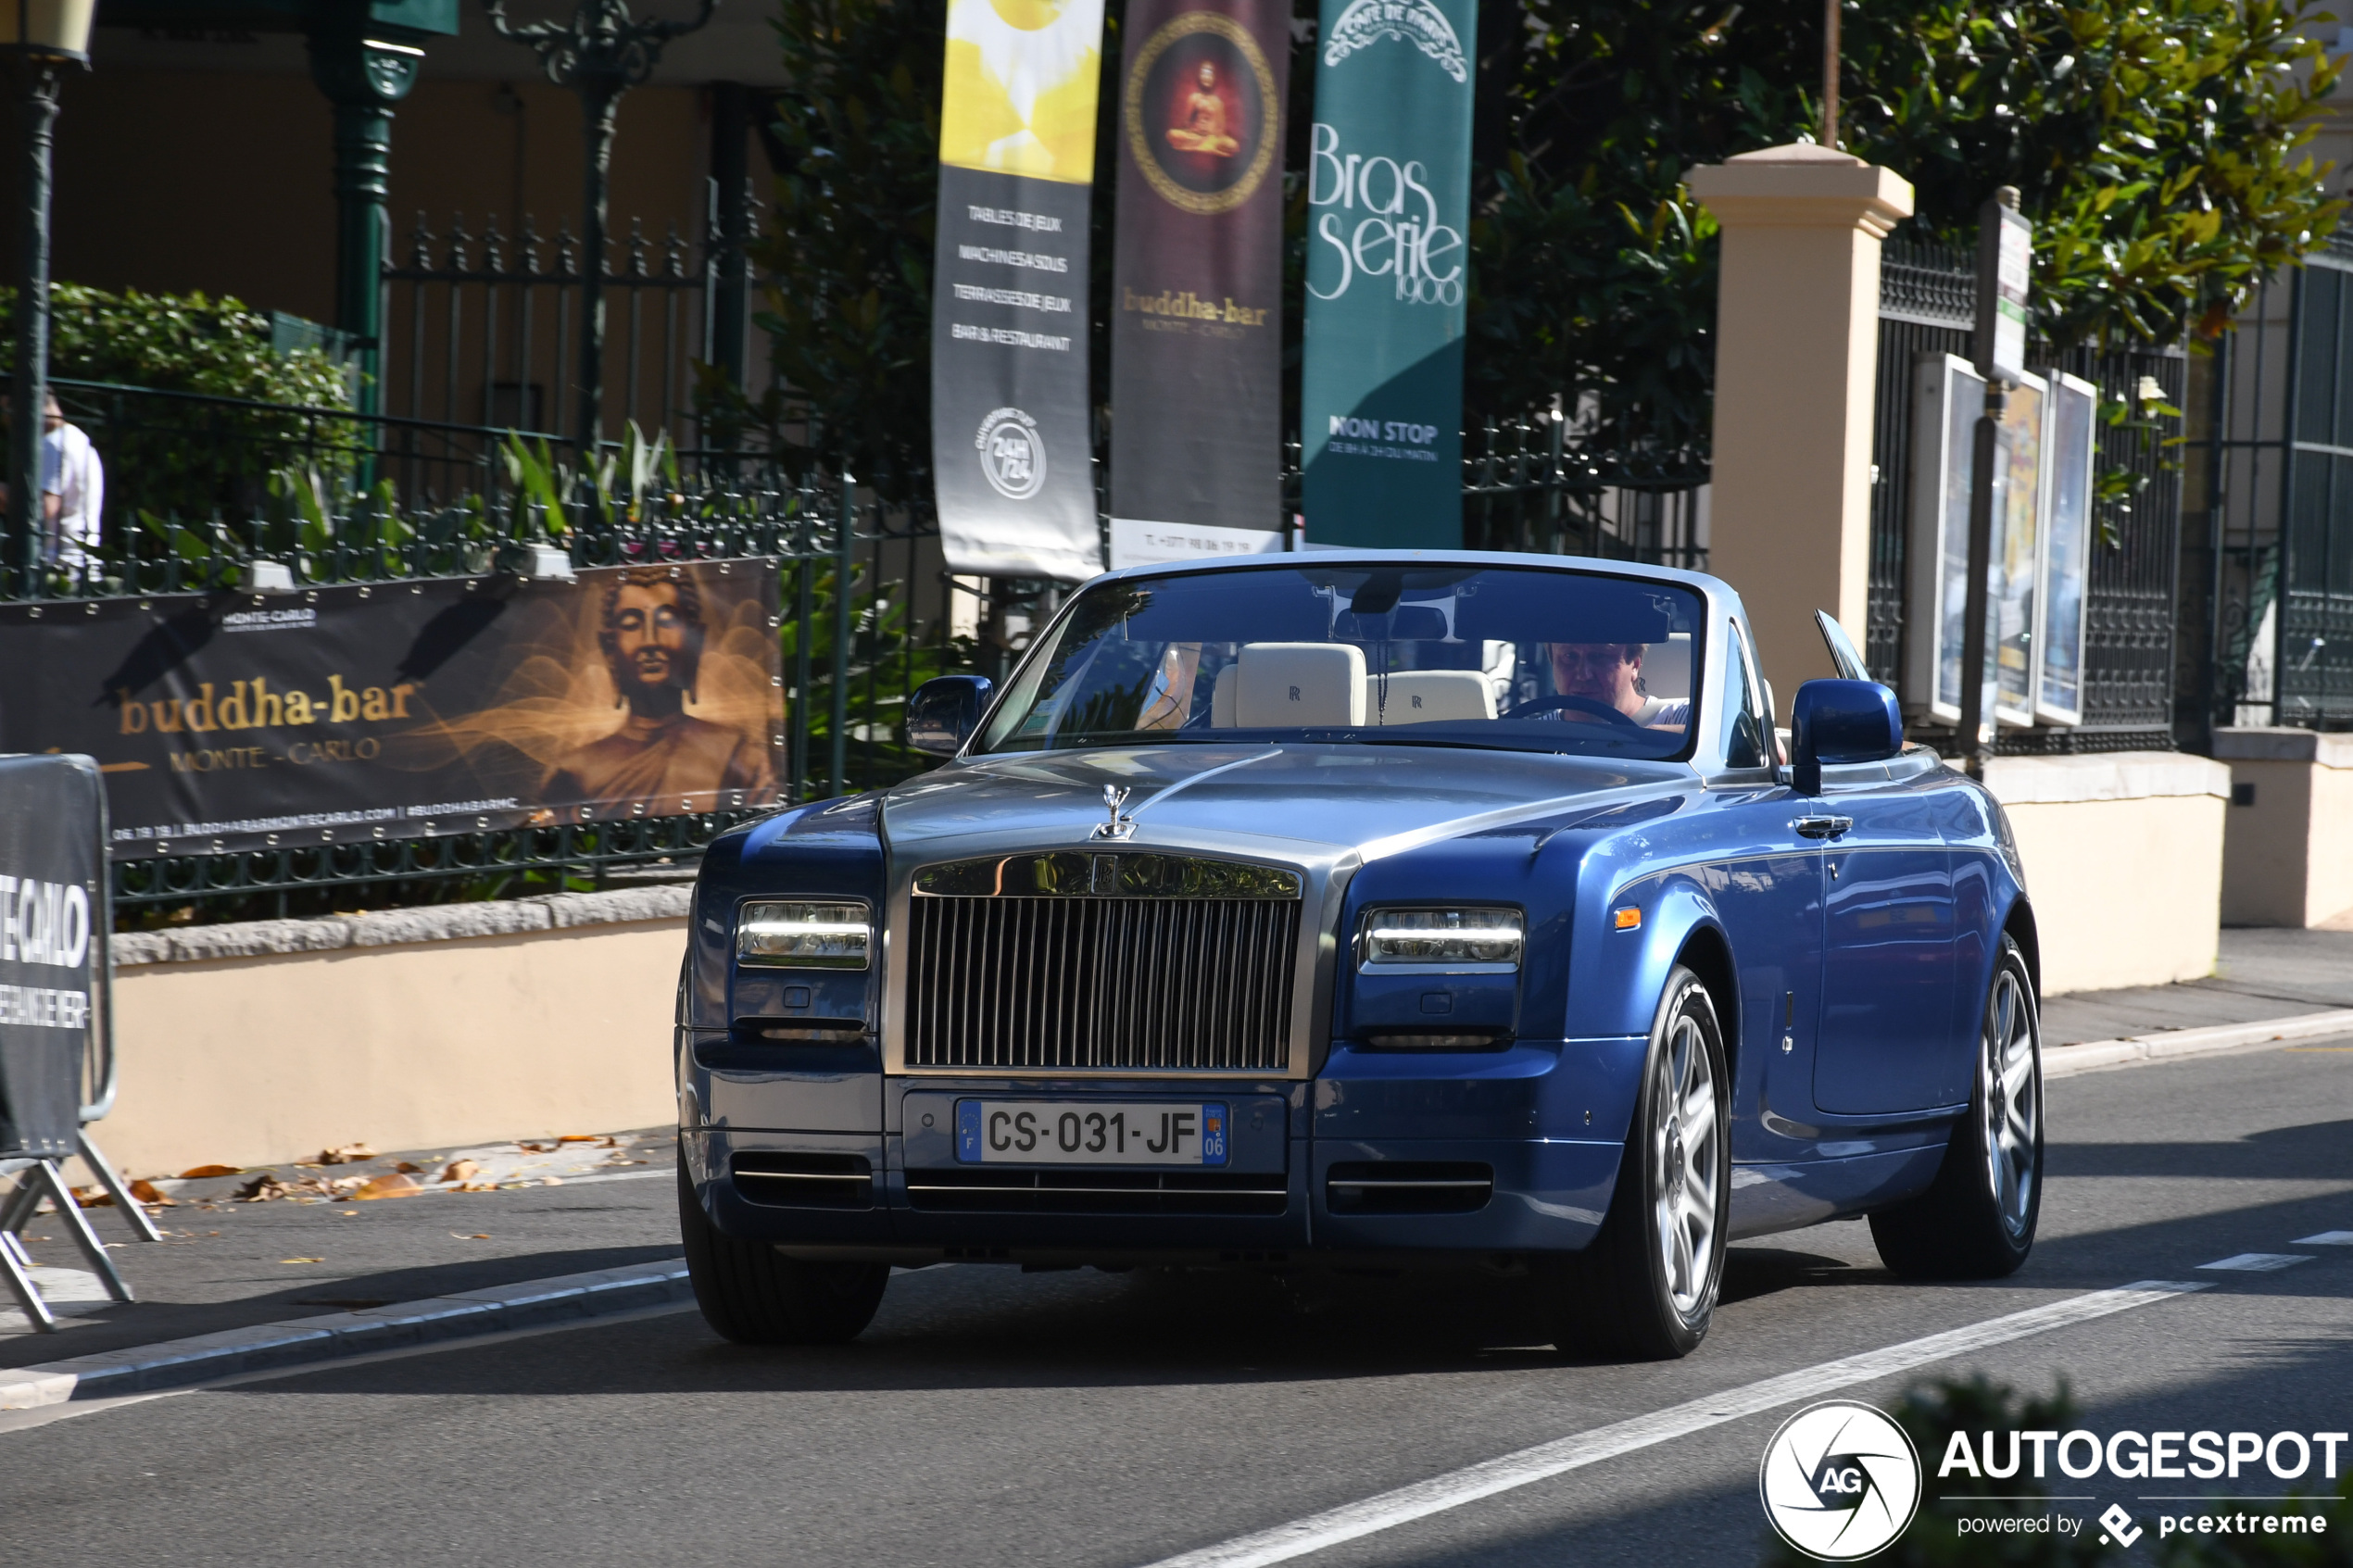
225,1264
2265,974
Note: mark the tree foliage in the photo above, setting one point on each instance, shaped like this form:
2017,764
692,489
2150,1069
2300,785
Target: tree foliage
2158,144
848,251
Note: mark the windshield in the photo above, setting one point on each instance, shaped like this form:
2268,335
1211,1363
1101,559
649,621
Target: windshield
1509,656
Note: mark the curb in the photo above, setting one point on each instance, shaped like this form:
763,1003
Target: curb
2065,1061
176,1363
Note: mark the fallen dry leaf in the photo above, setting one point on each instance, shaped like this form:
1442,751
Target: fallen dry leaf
199,1172
551,1181
469,1235
349,1154
407,1168
302,1260
93,1197
577,1137
536,1148
394,1185
459,1171
480,1186
263,1188
146,1191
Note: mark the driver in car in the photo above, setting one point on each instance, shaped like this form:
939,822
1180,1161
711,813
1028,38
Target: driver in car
1610,675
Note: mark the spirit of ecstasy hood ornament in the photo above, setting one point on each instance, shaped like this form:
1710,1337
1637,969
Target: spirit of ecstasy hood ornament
1121,825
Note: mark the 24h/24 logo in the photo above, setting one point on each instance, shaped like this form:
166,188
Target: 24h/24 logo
1013,456
1840,1481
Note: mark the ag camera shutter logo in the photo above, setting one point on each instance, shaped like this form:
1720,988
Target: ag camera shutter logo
1840,1481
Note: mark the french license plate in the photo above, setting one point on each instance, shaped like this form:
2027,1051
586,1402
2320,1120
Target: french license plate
1029,1132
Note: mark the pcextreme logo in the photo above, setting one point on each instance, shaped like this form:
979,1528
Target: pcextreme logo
1840,1481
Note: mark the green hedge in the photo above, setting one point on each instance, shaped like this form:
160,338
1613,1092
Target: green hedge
167,456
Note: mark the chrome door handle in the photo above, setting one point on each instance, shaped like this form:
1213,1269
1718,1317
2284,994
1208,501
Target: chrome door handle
1823,827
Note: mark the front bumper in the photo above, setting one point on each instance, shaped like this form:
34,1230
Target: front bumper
1462,1156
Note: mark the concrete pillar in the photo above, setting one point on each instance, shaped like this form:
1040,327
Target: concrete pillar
1796,357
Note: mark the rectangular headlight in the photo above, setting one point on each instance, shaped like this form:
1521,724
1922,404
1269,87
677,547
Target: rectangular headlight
802,935
1455,939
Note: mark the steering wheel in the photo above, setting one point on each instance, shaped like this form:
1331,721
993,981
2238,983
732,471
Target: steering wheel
1594,706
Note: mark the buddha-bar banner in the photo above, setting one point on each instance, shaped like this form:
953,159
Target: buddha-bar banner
393,710
1012,440
1196,337
1388,267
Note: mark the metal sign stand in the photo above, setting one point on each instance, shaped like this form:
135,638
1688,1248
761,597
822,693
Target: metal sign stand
36,1178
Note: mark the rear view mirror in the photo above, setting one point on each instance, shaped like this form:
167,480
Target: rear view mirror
944,712
1841,721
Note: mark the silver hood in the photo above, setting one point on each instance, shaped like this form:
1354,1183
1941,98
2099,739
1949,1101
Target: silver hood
1320,803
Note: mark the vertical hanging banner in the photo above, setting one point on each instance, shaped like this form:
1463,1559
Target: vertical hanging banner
1010,441
1388,267
1196,336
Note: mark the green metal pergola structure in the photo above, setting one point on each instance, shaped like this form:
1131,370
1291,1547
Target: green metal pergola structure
364,56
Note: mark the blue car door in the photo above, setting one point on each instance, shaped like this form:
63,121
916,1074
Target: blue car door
1883,1037
1768,886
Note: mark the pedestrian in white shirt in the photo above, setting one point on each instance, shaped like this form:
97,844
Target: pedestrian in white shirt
73,491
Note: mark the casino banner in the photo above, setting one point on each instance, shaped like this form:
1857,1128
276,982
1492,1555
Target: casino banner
1388,268
1196,337
334,715
1012,436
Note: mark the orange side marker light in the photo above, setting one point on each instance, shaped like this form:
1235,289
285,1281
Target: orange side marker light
1630,919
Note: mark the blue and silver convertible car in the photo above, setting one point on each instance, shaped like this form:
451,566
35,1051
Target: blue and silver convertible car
1367,908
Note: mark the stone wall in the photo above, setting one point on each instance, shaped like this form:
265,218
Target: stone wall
267,1041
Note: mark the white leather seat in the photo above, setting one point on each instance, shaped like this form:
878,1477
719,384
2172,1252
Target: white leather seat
1221,698
1285,686
1422,696
1666,667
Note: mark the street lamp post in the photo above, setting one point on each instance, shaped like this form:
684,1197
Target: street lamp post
45,35
600,54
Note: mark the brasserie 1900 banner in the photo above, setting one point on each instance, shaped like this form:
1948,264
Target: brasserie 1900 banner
339,715
1012,440
1388,268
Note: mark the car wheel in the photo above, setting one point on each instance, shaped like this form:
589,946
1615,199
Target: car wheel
1646,1286
754,1295
1977,1219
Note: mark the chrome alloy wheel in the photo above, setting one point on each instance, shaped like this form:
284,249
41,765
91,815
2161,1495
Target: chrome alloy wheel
1685,1165
2010,1088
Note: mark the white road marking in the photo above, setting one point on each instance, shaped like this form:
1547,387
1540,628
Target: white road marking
2326,1238
2257,1262
18,1421
1547,1460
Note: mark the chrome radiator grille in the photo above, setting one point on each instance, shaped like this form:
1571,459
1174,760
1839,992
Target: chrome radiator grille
1078,973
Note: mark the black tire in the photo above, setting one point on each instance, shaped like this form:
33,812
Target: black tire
1977,1219
753,1295
1632,1295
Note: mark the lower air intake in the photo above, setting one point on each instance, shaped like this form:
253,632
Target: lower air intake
1403,1187
805,1180
1097,1192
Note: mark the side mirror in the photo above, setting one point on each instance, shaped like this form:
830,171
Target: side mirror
944,712
1841,721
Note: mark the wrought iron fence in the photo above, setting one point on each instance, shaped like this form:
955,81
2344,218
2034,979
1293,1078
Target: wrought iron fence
481,331
853,648
2273,562
1927,297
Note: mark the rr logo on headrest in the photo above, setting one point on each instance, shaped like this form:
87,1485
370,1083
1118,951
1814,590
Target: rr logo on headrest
1294,694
